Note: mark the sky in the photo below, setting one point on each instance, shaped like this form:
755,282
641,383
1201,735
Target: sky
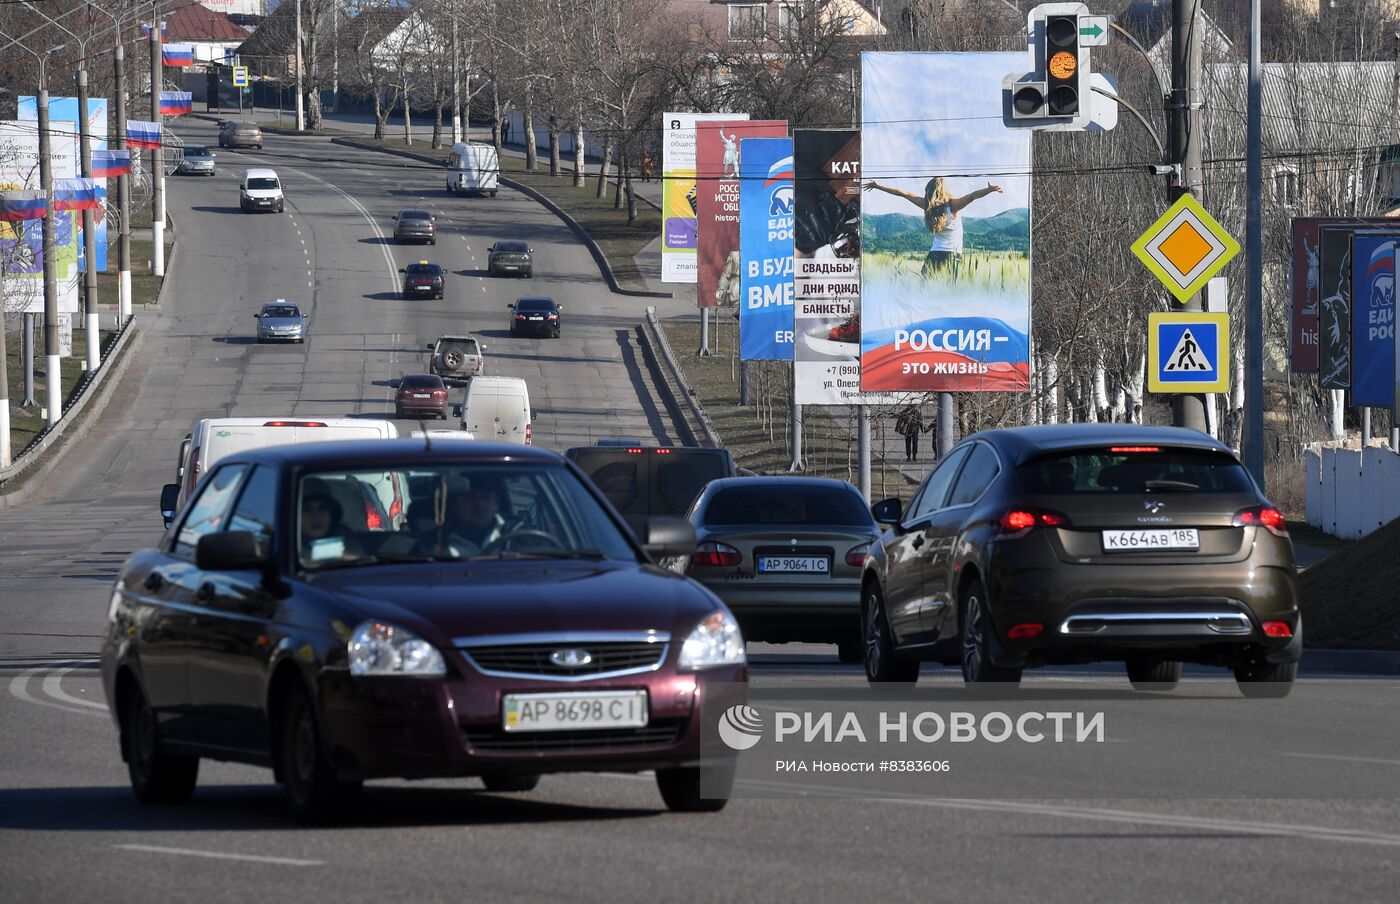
930,114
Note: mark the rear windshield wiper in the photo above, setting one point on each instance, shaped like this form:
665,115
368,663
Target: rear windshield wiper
1170,486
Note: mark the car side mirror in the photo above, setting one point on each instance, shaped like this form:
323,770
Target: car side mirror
429,346
559,307
887,511
667,537
169,501
491,250
529,250
511,306
402,270
457,411
305,316
231,550
257,316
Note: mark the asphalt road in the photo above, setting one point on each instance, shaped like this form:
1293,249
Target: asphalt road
70,829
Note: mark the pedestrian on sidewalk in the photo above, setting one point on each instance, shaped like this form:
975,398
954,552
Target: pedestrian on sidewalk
646,164
909,423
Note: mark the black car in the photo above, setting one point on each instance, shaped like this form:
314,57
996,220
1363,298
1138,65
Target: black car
501,622
1150,546
423,280
534,317
642,481
510,257
413,224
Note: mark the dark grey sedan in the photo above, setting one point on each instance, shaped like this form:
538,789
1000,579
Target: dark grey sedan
516,258
413,224
785,554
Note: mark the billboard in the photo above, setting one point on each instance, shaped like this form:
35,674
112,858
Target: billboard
66,108
765,246
21,244
678,194
1302,324
945,248
1334,307
718,156
1373,319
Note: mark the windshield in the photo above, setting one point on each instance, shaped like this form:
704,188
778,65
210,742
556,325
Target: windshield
1149,470
465,346
262,184
511,247
479,511
281,310
777,504
196,150
415,215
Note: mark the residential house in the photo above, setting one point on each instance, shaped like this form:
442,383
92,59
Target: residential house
214,37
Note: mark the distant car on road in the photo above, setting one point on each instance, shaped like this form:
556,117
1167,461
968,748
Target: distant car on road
535,316
261,190
424,278
240,135
786,555
510,257
421,395
642,481
504,625
457,358
413,224
1150,546
281,321
197,160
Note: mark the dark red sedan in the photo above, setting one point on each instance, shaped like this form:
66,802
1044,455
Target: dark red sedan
507,626
421,395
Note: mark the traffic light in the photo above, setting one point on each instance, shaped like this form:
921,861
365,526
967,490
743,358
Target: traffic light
1062,65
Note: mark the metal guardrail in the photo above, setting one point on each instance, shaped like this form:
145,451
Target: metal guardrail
677,378
87,390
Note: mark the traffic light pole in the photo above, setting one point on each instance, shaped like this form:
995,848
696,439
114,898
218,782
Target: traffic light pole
1187,136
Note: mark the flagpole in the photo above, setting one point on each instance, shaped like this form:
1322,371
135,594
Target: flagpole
158,152
123,185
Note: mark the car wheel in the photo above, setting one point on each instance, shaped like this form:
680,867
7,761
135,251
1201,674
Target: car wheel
312,787
493,194
432,241
850,653
1265,680
682,786
498,782
977,665
529,274
1153,675
156,777
281,207
882,666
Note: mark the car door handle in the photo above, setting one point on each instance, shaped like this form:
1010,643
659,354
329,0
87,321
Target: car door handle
918,541
205,593
154,582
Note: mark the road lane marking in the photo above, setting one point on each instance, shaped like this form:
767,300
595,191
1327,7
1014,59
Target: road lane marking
53,687
388,260
19,689
217,855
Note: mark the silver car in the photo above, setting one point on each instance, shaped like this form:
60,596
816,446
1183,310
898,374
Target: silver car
198,160
281,321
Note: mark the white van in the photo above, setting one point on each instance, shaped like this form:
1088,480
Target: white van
473,167
261,190
215,438
497,409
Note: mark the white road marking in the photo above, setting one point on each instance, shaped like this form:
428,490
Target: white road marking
54,688
217,855
19,689
388,260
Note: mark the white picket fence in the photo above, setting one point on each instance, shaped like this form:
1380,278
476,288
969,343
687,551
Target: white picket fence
1352,492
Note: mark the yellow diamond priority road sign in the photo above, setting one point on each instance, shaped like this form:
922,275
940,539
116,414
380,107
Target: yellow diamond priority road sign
1185,248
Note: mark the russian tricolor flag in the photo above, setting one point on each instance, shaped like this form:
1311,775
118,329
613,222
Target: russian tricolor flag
177,54
110,164
16,206
780,171
78,194
176,103
142,134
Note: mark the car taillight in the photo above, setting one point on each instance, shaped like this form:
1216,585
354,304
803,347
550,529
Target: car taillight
856,556
1265,516
1277,629
553,317
372,519
519,316
660,451
1134,449
634,451
439,393
529,433
1018,522
716,555
1025,631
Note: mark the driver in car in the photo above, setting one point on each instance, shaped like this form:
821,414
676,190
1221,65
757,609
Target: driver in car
474,519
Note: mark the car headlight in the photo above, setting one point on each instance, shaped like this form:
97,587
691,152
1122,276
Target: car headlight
379,649
716,641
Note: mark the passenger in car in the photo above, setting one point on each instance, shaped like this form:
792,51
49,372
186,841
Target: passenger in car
321,532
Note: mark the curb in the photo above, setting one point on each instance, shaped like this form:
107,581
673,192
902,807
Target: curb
657,337
109,383
598,257
664,389
1372,662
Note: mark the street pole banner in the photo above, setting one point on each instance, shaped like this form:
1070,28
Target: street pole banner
1303,276
19,206
678,201
176,103
1334,307
177,54
1373,320
78,194
22,243
717,161
945,250
67,108
142,134
765,243
111,164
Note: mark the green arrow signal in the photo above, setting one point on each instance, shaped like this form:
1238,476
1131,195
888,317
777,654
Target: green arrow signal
1093,31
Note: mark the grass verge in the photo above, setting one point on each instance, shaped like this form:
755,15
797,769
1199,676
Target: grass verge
27,423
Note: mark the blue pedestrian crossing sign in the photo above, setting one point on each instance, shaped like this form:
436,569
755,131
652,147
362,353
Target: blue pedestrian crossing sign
1188,352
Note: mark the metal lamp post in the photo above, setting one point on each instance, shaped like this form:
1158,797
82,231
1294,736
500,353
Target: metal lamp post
123,181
